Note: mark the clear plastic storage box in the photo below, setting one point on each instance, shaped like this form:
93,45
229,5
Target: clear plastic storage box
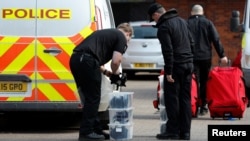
120,116
121,132
163,113
163,127
121,99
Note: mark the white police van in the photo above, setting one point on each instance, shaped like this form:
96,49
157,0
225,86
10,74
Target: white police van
36,41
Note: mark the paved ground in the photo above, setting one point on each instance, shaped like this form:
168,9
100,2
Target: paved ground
147,121
147,125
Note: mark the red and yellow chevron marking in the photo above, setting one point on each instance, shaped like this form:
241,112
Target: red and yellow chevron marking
14,51
24,55
19,58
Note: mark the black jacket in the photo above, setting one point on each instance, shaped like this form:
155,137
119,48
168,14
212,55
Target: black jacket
205,34
102,43
175,40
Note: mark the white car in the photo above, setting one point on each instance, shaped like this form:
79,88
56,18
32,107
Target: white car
144,50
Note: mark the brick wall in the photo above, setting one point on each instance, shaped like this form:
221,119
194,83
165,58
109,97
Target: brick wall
219,11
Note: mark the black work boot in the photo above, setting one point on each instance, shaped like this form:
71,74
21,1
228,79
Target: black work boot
91,136
185,136
106,135
166,136
203,110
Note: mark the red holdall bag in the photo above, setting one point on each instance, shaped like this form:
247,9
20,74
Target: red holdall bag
226,95
159,101
236,62
194,96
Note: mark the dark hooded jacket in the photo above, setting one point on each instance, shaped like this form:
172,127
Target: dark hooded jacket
175,39
205,34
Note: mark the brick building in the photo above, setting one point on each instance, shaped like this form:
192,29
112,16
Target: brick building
219,11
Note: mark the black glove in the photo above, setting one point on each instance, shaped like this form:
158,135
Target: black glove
123,79
114,78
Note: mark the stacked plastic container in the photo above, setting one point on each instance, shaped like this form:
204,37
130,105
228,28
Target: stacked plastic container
121,116
163,113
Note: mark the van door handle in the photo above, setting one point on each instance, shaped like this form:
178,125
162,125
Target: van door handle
52,51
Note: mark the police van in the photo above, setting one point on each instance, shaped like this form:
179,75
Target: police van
36,41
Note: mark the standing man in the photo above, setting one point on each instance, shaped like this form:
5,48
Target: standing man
175,42
204,34
86,64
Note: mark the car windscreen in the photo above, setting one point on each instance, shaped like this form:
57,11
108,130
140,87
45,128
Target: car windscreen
144,32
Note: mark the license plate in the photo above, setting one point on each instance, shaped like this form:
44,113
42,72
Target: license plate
144,65
14,86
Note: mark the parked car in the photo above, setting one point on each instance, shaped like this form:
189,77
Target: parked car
144,50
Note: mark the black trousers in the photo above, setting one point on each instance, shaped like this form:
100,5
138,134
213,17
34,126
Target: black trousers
86,71
201,71
177,98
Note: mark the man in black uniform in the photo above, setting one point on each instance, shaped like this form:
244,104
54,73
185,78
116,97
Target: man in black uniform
176,48
87,64
204,34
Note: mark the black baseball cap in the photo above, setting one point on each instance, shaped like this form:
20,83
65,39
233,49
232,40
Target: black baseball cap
152,9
